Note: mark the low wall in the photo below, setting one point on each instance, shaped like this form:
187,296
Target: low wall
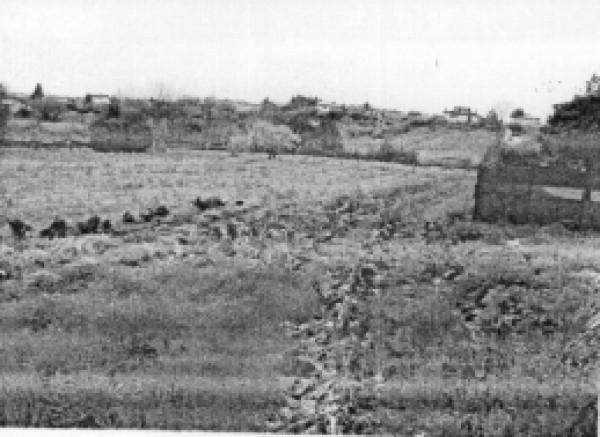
534,194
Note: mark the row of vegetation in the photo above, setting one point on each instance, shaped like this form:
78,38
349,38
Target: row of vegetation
304,124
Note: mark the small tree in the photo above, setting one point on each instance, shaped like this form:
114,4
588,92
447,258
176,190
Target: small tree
114,108
38,92
49,109
3,108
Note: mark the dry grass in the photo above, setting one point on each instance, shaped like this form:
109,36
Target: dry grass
191,336
77,183
26,130
445,147
80,311
425,146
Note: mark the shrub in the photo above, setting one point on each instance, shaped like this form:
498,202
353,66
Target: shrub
264,136
3,109
48,108
114,108
38,92
388,153
462,231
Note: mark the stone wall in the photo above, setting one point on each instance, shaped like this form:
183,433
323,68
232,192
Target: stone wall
535,193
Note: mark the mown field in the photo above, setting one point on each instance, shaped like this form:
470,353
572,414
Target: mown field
173,324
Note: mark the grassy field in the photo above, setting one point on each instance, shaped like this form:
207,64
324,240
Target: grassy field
445,147
438,146
79,182
168,325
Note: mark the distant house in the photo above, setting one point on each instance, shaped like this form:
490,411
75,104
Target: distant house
521,118
97,102
300,101
60,100
460,114
526,120
592,86
97,99
520,127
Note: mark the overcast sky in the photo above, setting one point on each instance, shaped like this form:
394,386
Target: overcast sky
410,55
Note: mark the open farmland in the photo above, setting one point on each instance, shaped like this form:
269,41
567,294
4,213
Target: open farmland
172,324
79,182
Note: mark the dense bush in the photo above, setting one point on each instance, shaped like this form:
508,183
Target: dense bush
48,108
3,109
388,153
114,108
262,136
38,92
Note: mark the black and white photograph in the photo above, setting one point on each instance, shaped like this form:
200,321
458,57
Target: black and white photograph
275,217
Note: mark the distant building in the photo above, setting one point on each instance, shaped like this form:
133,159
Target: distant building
520,117
461,115
520,127
592,86
61,100
526,120
97,99
97,102
300,101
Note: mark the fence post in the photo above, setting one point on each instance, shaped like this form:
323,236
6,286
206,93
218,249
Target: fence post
586,197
